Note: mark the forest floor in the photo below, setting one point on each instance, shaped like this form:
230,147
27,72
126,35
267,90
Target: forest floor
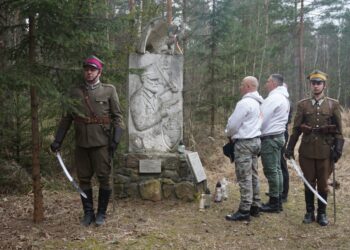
173,224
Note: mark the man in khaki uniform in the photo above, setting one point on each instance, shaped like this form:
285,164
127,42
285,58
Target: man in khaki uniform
98,127
319,120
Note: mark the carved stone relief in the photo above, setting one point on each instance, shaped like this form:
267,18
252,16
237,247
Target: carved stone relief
155,102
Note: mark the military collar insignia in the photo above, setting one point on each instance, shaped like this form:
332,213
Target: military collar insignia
92,86
319,102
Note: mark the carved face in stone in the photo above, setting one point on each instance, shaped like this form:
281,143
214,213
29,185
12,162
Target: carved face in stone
151,81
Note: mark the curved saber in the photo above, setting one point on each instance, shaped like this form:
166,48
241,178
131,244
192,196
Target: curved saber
300,173
70,178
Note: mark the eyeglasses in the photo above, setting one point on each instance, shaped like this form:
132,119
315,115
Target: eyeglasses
316,83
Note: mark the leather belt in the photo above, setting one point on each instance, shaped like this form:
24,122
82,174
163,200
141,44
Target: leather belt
93,120
271,136
241,139
328,129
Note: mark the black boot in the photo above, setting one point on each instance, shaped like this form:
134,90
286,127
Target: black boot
321,211
254,211
239,216
280,200
310,206
103,199
271,207
88,207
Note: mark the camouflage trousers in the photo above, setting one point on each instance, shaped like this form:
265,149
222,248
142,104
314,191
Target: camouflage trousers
271,149
246,162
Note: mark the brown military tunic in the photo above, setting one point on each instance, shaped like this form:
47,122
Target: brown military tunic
104,104
320,124
95,111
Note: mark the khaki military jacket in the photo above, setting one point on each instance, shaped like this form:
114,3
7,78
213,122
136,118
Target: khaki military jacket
315,143
104,102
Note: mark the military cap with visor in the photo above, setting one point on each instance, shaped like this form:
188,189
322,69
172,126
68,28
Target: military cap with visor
93,61
317,76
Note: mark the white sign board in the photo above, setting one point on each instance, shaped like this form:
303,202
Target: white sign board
150,166
196,166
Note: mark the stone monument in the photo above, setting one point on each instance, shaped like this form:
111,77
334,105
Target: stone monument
153,169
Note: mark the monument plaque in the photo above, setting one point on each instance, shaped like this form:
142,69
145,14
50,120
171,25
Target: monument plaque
196,166
150,166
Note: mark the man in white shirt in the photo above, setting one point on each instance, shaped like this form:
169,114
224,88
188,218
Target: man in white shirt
275,110
243,128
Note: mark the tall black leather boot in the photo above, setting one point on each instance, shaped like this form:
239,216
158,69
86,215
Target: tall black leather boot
321,211
103,199
88,207
271,207
310,206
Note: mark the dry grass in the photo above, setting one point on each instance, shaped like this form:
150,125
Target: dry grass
173,224
346,123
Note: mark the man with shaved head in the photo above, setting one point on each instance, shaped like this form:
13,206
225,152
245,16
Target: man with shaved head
243,129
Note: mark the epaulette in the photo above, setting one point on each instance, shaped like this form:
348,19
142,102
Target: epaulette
107,85
331,99
331,102
304,100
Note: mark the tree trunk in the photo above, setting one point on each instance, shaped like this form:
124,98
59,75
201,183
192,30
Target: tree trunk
169,8
316,52
131,5
139,21
256,40
18,128
38,215
212,74
187,99
301,52
294,88
266,7
339,69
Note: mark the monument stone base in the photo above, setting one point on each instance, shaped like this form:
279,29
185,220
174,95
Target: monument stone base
156,176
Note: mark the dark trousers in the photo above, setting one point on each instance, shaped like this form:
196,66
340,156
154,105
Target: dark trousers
285,174
90,161
316,172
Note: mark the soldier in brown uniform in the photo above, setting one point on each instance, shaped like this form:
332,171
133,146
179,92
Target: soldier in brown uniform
319,120
98,128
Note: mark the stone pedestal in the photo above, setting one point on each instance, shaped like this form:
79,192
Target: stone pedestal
174,180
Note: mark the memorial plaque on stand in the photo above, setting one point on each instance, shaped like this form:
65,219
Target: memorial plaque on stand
150,166
196,166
